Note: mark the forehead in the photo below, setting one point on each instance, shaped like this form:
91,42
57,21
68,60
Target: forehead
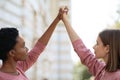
20,42
19,39
98,39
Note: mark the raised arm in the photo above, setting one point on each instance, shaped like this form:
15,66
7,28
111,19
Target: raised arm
46,36
72,34
39,46
86,56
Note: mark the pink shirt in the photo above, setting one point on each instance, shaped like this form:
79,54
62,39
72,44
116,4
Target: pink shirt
23,66
96,67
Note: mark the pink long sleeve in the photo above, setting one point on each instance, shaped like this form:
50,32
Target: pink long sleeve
32,57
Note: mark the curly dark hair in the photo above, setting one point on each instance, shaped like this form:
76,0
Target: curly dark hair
7,41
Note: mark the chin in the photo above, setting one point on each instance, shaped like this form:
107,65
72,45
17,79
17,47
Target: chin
24,58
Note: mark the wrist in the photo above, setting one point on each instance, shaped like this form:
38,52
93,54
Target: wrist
64,18
59,17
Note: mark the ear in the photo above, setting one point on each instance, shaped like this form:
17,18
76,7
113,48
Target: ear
107,48
11,53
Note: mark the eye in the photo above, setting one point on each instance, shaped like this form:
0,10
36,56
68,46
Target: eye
97,43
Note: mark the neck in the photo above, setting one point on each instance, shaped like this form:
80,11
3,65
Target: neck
9,66
105,59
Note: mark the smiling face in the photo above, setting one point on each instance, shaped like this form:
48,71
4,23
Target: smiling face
100,50
19,52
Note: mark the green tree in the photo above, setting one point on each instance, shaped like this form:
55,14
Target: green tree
81,72
117,21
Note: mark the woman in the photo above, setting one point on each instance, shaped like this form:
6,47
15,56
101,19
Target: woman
14,54
107,48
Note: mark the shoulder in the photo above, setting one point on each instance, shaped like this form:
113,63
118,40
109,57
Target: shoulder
116,72
114,75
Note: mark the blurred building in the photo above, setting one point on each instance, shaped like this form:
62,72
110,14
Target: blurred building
32,18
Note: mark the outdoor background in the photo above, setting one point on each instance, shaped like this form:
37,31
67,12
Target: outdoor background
59,61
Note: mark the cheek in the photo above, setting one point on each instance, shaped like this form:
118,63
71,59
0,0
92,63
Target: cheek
21,53
100,53
97,52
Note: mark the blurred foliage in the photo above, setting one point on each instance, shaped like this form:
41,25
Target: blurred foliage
81,72
117,22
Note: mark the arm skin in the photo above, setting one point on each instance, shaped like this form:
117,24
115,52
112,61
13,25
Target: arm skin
48,33
39,46
72,34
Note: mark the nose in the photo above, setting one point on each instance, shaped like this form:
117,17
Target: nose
27,49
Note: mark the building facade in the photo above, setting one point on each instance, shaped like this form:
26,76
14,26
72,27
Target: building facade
32,18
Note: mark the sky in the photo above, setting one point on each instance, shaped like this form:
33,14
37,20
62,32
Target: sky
89,17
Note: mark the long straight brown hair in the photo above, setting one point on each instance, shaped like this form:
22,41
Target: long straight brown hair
111,37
